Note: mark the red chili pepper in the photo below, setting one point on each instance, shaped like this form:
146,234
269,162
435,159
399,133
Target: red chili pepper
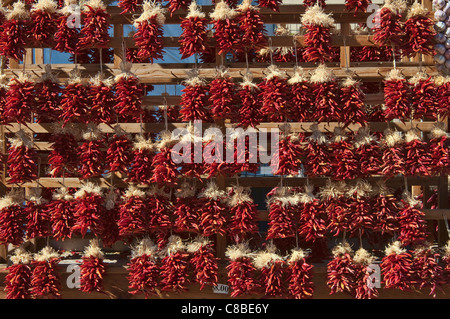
22,159
333,202
312,223
226,29
424,98
204,262
195,100
37,218
416,155
213,211
20,100
357,6
63,157
128,97
367,153
43,24
61,211
426,271
345,164
48,94
413,227
361,262
18,278
388,29
318,154
194,37
396,267
66,35
141,171
352,108
282,220
254,33
96,25
443,93
273,92
301,97
119,153
393,159
45,279
74,101
174,266
133,213
273,5
101,101
92,269
249,111
165,171
186,209
419,32
222,93
439,152
89,210
15,30
92,158
129,5
240,270
325,90
340,270
300,275
243,214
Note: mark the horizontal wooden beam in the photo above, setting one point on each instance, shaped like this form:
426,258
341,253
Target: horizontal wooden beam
176,73
135,128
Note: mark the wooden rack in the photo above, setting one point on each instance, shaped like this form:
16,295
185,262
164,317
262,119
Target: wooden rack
175,73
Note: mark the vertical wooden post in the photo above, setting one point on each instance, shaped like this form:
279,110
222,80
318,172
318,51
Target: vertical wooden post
118,54
345,50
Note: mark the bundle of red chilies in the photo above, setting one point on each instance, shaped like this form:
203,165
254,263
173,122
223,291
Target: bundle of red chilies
172,212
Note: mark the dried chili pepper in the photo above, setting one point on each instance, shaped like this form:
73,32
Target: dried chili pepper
74,101
386,209
413,226
249,112
363,289
312,223
14,35
426,271
317,37
289,155
416,154
389,30
20,100
204,262
367,153
12,219
141,170
3,90
393,159
300,275
186,209
45,279
110,229
352,109
282,221
63,157
240,270
119,153
273,92
165,170
92,268
226,29
213,210
243,214
128,96
67,33
18,278
43,24
61,211
37,218
340,270
301,97
396,267
245,156
101,100
148,37
423,97
143,270
92,153
194,37
253,30
22,161
96,25
439,151
222,94
130,5
194,99
48,94
190,152
160,210
333,202
272,269
359,205
356,6
419,31
273,5
133,212
325,89
88,210
344,165
310,3
443,93
174,266
318,154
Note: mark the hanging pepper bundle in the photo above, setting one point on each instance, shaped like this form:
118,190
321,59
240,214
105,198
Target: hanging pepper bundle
165,170
289,155
334,203
317,37
101,100
245,157
222,91
45,279
356,6
128,96
204,262
43,24
110,219
282,221
61,211
312,222
48,94
133,213
325,88
96,25
129,5
194,37
63,157
310,3
300,275
18,278
352,109
190,154
92,268
249,112
226,29
38,220
186,209
345,165
439,151
396,267
386,210
148,37
14,35
74,101
119,153
251,25
3,90
413,226
174,266
424,101
88,210
272,270
243,214
160,210
194,98
273,5
143,270
273,92
340,270
300,96
213,210
141,171
416,154
419,31
443,93
317,154
367,153
363,289
393,159
359,205
67,34
426,271
240,270
12,219
92,153
389,30
20,100
22,161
